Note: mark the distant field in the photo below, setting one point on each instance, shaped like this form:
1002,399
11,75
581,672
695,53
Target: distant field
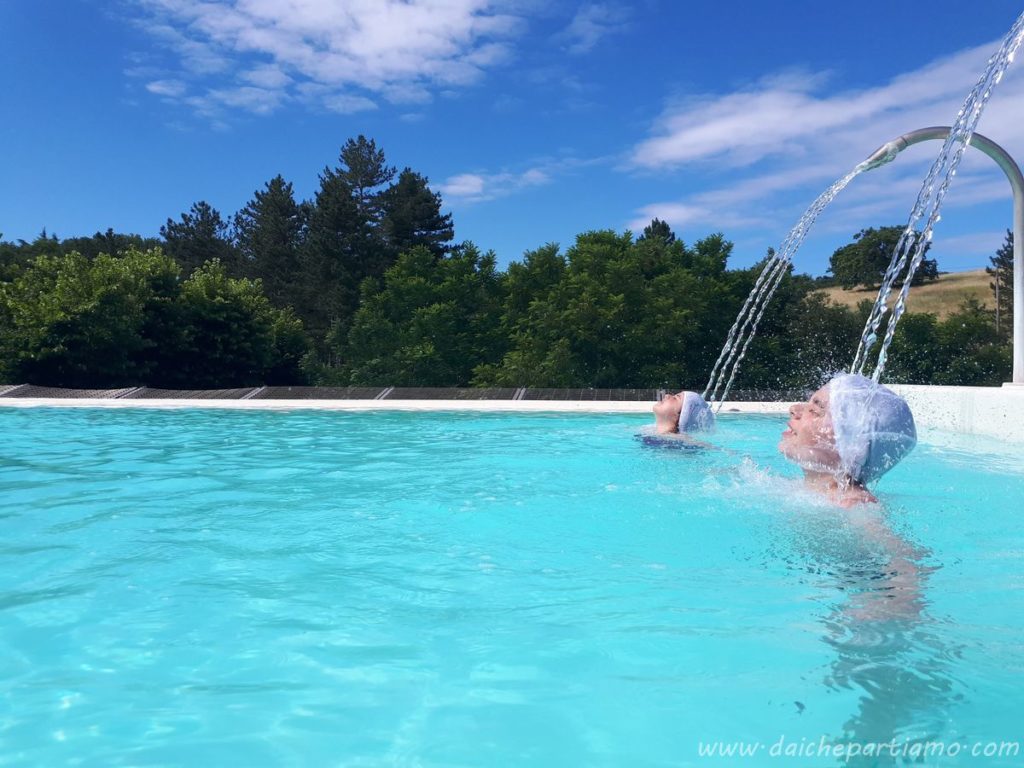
941,298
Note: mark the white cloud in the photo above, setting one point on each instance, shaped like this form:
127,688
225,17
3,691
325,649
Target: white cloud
475,187
789,115
778,143
169,88
265,76
592,23
260,101
466,185
353,51
345,105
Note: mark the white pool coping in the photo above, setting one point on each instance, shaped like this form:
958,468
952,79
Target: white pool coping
497,406
993,411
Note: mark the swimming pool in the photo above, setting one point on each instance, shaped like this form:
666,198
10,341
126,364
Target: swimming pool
454,589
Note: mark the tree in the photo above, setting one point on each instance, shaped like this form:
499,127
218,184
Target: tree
364,168
660,231
201,236
345,241
711,255
230,336
1001,273
15,256
269,232
412,216
865,260
532,279
621,313
964,349
978,355
430,322
128,320
74,322
331,256
110,242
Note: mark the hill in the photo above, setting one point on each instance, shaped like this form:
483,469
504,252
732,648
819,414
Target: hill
942,298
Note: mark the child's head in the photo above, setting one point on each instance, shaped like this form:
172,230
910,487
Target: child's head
852,427
683,412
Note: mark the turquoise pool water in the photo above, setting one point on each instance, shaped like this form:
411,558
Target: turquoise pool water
310,588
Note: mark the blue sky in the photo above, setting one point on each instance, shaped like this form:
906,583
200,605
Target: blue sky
536,120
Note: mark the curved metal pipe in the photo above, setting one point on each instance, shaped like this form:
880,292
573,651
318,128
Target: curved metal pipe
887,153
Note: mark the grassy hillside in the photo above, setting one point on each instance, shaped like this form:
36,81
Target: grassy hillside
941,298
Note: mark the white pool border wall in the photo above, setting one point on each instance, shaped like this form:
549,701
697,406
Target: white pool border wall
992,411
496,406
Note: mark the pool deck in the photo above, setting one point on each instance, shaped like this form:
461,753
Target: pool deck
993,411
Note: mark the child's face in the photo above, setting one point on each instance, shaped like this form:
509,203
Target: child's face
809,439
666,410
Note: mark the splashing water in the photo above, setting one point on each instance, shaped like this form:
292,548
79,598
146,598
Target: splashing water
910,248
745,327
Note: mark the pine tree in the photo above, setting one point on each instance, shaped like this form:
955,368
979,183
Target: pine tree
345,240
658,230
412,216
201,236
364,168
1001,272
269,232
332,255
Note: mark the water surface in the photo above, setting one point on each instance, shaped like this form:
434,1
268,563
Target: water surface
203,587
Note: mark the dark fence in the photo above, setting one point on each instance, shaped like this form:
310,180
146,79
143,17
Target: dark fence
152,393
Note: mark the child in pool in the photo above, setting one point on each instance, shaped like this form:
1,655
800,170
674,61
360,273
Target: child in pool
848,434
676,417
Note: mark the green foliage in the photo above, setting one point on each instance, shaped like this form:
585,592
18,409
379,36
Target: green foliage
362,285
621,313
15,256
865,260
120,321
230,335
803,339
412,216
110,242
964,349
660,231
1001,273
429,322
357,229
200,236
269,231
365,171
72,322
334,255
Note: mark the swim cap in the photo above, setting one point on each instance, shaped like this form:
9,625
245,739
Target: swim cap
695,415
874,428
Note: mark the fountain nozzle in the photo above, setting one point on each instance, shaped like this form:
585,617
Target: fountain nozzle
884,154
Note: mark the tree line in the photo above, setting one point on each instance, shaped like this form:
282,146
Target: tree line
364,284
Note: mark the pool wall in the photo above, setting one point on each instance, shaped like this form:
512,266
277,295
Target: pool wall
994,411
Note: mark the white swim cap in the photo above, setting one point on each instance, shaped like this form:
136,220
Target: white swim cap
695,415
873,426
